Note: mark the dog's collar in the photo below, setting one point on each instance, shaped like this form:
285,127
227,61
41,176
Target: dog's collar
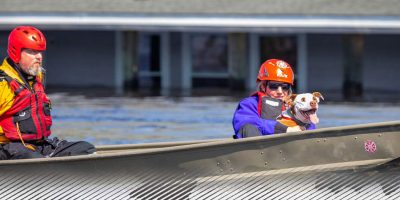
289,115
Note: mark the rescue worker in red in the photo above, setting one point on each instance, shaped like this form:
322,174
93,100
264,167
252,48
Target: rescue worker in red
25,109
256,115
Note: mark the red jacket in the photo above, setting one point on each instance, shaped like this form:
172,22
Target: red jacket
29,117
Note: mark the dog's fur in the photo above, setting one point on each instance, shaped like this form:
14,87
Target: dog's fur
302,109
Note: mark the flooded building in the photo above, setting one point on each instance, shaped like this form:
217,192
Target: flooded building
344,49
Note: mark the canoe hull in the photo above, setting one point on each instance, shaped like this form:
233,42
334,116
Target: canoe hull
355,160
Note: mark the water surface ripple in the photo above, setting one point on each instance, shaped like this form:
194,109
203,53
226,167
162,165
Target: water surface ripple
128,120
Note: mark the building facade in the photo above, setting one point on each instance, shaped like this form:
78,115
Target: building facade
346,50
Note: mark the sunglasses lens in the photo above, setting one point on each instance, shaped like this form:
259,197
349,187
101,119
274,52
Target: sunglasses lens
285,87
275,86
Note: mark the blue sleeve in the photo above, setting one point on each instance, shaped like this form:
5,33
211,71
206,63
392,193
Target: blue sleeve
247,113
311,127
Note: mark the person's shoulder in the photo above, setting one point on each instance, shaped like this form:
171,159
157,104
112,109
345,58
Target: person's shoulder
3,80
250,99
5,89
4,85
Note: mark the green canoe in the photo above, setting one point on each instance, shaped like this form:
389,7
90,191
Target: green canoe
352,162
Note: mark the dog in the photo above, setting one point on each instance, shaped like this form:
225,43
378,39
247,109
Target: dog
301,110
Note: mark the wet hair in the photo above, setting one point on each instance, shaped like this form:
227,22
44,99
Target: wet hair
260,85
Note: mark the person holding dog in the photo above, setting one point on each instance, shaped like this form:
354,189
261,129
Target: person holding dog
25,109
256,115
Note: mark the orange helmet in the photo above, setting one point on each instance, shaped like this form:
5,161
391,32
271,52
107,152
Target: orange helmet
24,37
276,70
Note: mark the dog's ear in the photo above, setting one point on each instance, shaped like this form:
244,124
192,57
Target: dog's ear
289,99
317,94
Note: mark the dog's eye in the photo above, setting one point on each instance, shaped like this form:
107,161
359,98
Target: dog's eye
303,99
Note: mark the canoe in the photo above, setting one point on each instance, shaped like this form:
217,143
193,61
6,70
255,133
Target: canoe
351,162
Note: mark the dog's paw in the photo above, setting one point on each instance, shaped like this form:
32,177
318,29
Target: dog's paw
295,129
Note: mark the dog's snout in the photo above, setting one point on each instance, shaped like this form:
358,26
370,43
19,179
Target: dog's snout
313,104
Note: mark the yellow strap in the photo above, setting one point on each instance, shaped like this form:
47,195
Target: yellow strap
28,146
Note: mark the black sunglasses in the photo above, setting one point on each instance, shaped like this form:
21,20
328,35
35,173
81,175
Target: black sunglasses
275,86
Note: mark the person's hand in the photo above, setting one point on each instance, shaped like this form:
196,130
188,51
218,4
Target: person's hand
295,129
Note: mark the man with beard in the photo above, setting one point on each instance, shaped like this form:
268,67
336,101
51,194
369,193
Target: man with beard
25,109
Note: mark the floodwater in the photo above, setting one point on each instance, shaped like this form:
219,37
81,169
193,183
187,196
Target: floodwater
131,120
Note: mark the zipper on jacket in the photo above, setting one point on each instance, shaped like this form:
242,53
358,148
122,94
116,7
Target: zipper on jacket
37,110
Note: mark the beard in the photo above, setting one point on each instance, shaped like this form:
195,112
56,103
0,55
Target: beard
34,71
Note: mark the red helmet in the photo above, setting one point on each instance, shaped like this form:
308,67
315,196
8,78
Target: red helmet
276,70
24,37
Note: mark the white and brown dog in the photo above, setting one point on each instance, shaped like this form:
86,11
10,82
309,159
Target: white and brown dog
302,110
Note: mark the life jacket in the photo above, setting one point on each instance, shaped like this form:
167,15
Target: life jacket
288,119
29,117
268,107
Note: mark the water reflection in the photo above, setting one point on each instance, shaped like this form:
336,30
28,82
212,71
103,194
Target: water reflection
124,120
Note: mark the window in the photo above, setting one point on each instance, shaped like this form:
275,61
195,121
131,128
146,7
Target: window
280,47
149,60
209,54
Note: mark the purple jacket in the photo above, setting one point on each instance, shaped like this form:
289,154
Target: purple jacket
247,113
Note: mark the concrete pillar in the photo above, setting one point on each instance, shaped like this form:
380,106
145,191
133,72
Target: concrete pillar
119,65
353,50
253,61
175,52
176,63
302,50
186,64
237,60
165,63
130,59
